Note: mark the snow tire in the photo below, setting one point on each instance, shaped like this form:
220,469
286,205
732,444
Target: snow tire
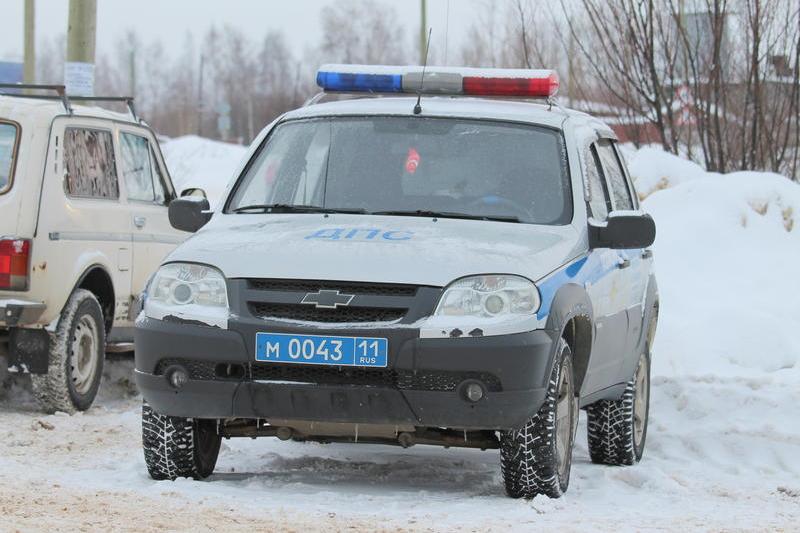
178,447
617,428
530,460
78,342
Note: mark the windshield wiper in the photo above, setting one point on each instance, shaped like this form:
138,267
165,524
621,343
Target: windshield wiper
287,208
446,214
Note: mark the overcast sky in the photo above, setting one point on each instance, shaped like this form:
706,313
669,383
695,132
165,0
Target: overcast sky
169,20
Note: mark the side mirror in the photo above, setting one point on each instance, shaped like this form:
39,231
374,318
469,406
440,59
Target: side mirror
189,213
194,192
624,229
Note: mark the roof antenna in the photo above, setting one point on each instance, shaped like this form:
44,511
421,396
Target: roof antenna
418,107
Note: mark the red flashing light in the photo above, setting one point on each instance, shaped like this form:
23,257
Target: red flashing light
14,263
536,87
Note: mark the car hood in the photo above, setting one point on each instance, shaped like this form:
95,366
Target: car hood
389,249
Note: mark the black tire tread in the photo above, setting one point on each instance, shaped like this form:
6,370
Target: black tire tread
52,390
169,447
610,429
528,458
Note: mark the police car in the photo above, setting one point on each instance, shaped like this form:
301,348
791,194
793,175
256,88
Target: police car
440,261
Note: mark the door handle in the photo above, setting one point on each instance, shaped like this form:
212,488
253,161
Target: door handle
139,221
647,254
623,263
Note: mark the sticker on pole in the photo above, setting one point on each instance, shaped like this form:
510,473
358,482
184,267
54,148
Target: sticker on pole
79,78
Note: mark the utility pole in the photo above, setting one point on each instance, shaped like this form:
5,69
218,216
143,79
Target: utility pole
29,70
200,98
79,69
132,72
423,32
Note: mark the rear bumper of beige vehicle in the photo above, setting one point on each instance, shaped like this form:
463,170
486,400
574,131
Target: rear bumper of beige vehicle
17,313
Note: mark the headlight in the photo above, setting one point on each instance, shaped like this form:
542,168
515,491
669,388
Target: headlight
489,297
190,292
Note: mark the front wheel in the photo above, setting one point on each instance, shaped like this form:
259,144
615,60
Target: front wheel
76,357
179,447
617,428
537,458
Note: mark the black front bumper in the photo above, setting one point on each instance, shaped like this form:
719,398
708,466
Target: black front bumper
423,385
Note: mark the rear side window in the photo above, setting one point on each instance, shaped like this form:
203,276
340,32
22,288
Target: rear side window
615,176
90,164
8,150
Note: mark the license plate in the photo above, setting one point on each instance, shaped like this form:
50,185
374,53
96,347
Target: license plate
321,350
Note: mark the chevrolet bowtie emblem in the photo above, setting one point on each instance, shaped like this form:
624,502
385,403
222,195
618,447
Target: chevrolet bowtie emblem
326,299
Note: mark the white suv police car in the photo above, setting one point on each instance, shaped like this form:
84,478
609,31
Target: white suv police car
443,267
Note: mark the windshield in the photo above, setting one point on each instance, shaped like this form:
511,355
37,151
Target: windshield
411,165
8,142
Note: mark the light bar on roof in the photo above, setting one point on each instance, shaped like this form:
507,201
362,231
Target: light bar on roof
438,80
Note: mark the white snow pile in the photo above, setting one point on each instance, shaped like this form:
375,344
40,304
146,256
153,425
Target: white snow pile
726,256
202,163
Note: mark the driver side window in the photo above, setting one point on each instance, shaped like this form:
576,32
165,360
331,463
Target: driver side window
599,200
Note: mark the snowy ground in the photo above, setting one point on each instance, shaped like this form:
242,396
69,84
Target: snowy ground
722,448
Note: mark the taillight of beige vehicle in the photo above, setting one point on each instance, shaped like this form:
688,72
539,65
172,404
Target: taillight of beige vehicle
83,224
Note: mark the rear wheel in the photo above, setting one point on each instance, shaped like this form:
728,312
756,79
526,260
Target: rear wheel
617,428
178,447
537,458
76,357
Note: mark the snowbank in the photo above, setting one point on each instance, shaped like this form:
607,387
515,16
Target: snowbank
726,255
655,169
197,162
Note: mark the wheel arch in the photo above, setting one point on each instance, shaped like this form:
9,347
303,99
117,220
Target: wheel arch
97,280
571,315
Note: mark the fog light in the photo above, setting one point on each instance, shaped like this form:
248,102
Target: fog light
474,392
178,377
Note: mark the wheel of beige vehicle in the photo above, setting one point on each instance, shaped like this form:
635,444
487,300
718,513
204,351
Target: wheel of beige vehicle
178,447
77,351
617,428
537,458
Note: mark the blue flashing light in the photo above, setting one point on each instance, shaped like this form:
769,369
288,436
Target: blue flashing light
361,82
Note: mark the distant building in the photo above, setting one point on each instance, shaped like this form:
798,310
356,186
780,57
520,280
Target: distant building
10,72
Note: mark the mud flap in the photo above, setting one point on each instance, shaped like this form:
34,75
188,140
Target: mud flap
29,351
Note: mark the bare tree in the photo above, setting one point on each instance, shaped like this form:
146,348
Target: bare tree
362,31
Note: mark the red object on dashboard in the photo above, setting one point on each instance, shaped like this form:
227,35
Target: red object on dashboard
412,161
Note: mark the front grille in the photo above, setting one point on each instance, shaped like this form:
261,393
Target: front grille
433,380
372,302
309,313
324,375
348,287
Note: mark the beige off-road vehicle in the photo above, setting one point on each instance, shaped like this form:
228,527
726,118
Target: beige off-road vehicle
83,224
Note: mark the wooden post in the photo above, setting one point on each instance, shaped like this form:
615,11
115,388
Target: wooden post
81,31
423,32
29,70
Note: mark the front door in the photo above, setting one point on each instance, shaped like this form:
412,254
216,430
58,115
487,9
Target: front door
608,293
148,191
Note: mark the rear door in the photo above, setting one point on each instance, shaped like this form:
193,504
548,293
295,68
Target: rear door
148,190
